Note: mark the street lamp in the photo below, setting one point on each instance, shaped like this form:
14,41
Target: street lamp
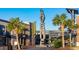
72,11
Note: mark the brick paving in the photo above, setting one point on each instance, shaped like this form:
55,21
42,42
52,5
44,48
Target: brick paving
47,48
42,48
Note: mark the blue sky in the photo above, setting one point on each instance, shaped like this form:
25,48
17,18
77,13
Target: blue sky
33,14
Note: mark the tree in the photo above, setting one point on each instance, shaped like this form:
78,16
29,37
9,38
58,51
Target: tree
16,26
60,20
70,27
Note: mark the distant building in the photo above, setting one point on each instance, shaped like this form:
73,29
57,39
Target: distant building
50,34
54,33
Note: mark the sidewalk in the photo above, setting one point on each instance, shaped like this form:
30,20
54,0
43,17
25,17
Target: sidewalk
47,48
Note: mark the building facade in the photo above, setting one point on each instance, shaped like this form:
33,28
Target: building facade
26,38
3,33
77,37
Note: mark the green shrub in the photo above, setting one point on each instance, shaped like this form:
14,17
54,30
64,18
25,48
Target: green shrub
57,43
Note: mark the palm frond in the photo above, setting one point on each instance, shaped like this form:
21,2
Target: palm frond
15,23
56,20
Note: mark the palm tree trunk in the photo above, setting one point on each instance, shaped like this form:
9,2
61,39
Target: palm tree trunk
17,41
70,40
62,27
33,42
63,40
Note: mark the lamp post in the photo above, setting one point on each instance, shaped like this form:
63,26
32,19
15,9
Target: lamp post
73,12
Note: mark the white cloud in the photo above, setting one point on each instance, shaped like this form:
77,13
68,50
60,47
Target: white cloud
25,22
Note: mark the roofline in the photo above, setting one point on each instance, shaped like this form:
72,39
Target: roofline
4,20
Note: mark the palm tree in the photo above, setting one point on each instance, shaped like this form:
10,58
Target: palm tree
16,26
60,20
70,27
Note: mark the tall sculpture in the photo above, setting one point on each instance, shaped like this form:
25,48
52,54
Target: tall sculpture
42,27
